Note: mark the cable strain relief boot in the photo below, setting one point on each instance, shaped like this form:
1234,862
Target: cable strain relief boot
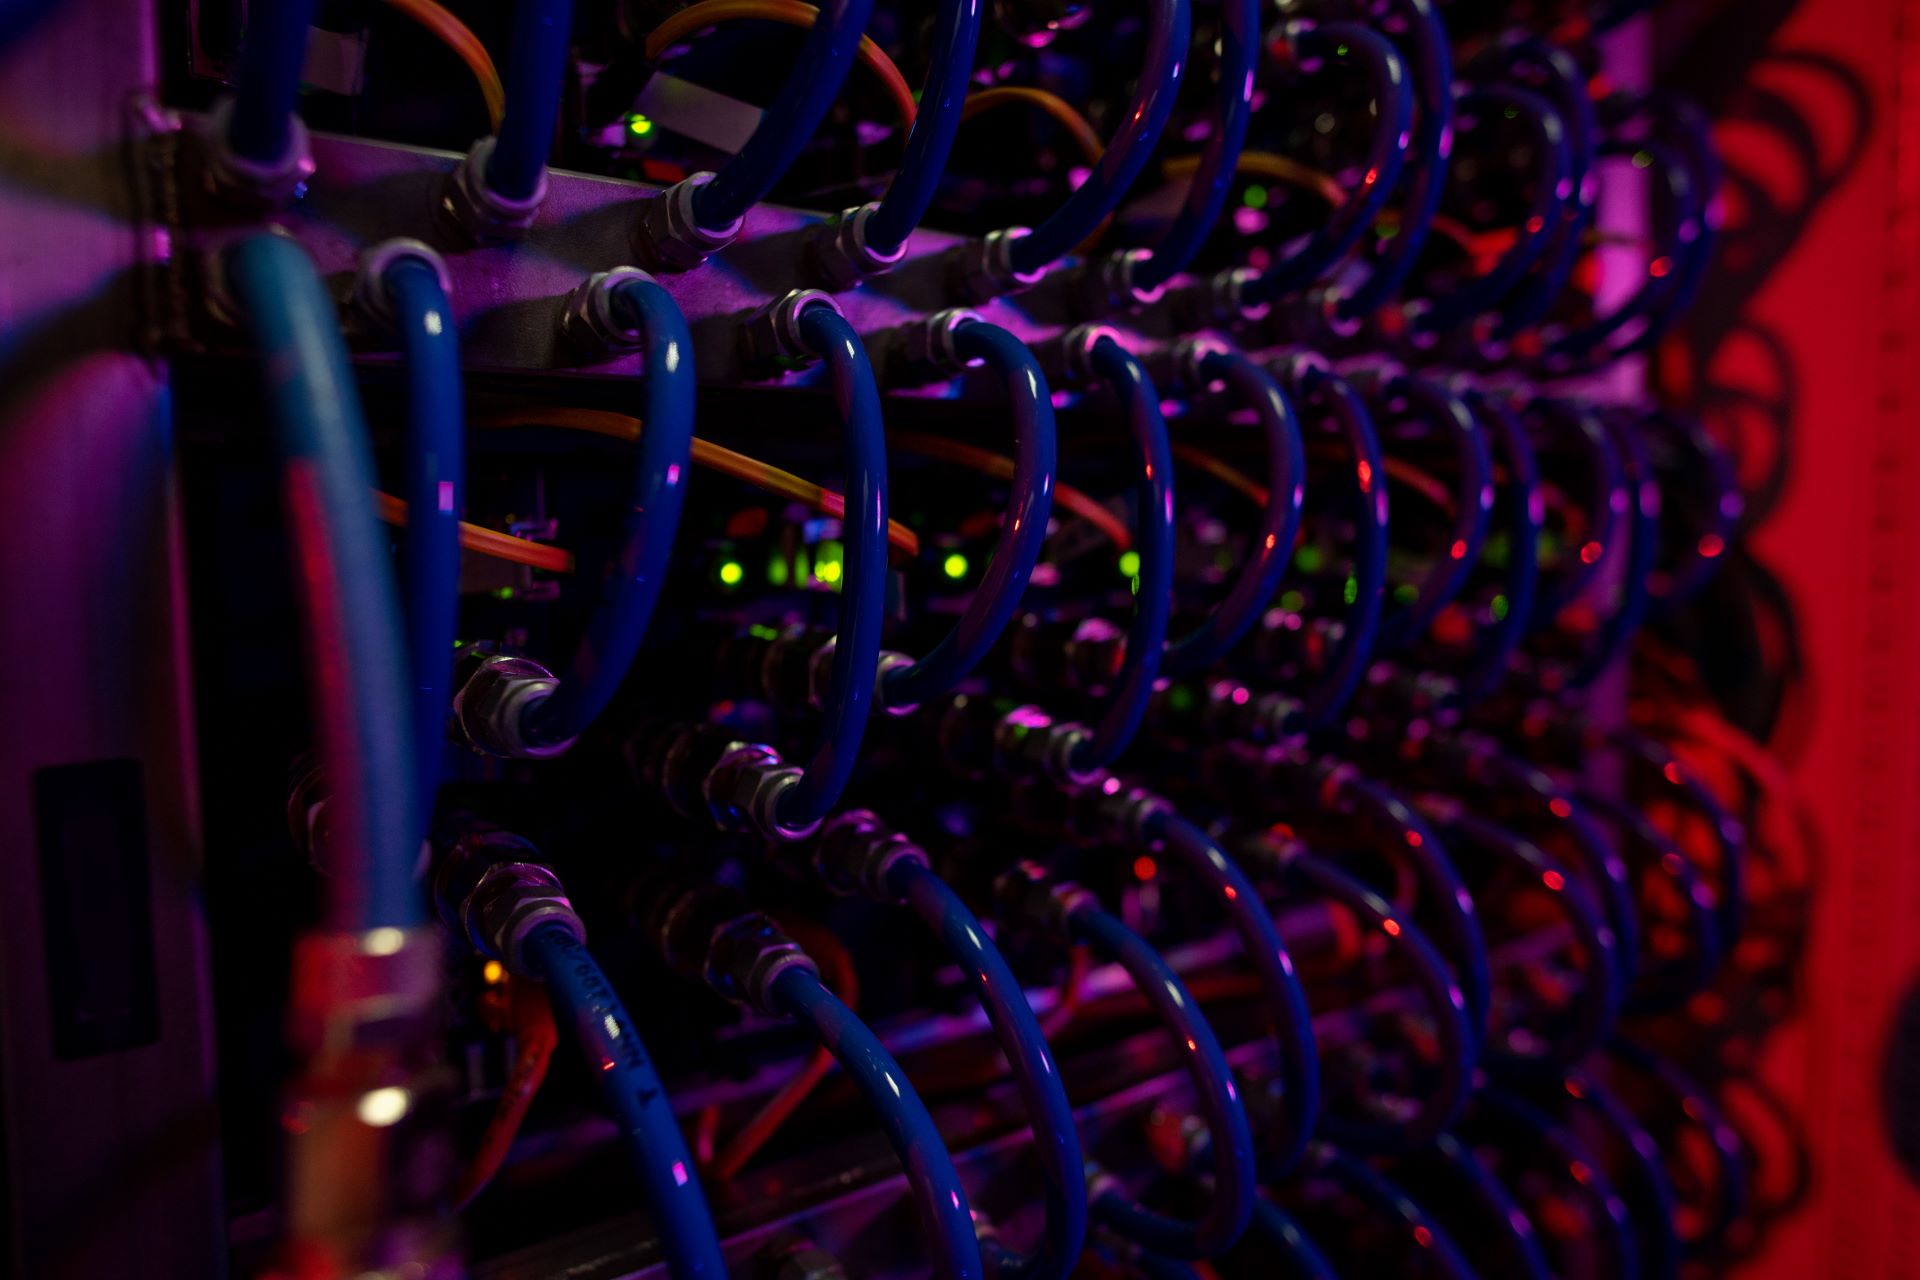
250,184
745,954
923,350
591,322
744,790
770,337
492,888
820,679
1067,359
1220,301
1177,367
472,213
980,270
856,852
1028,742
839,255
495,688
1110,812
669,236
1106,285
1030,893
372,299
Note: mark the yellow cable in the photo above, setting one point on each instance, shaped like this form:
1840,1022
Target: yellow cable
1063,113
706,454
999,466
485,542
454,33
792,13
1275,168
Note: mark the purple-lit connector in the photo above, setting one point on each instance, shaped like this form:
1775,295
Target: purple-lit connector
980,270
494,688
238,180
472,213
493,890
670,237
856,851
839,254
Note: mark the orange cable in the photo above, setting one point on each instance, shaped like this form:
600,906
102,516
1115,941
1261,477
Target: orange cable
1092,148
532,1021
1276,168
466,46
1000,467
791,13
485,542
1073,991
713,457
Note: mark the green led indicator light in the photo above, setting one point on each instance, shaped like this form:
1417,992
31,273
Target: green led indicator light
1130,564
1254,197
732,574
1498,608
954,566
1352,591
1404,594
638,125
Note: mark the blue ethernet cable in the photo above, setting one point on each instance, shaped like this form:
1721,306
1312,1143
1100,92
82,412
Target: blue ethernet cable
435,482
1280,987
1561,79
1023,528
1729,834
1378,1192
956,32
1598,1002
1230,1200
1352,653
1604,501
1664,985
1642,1181
938,1197
663,466
1696,1232
1455,1041
1168,31
791,120
1056,1140
1252,387
1153,540
1406,833
1447,574
863,591
1494,645
1450,1169
1274,1227
536,77
1387,149
1632,596
1432,63
1554,155
631,1088
351,606
1502,1115
261,125
1213,180
1681,212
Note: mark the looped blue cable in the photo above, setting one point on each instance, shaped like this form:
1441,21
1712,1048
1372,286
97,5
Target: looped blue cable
662,468
1665,985
1681,781
1375,1190
349,605
1213,180
1510,1121
1598,1002
1643,1183
1564,83
790,122
1168,31
1669,240
1554,156
1632,597
436,482
584,999
1350,655
1334,239
1697,236
536,77
1697,1106
1254,388
276,48
956,33
1494,645
1455,1041
938,1197
1553,811
1153,540
1448,1177
863,589
1603,504
1716,484
1230,1139
1055,1138
1405,833
1023,527
1447,574
1275,1227
1285,998
1432,65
